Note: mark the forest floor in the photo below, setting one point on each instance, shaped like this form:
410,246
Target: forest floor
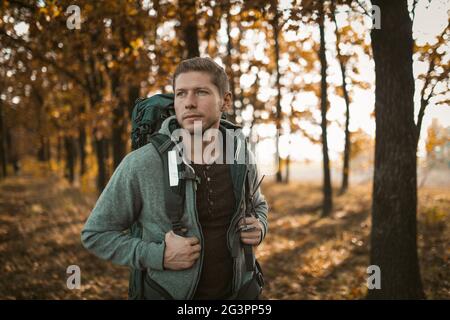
303,256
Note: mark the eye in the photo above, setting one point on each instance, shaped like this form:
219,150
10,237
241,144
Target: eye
180,94
202,92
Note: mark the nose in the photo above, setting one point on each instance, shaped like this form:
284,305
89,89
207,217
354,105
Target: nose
191,101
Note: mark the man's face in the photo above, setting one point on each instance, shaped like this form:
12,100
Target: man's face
198,99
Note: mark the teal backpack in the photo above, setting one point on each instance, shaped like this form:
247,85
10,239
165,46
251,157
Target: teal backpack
147,117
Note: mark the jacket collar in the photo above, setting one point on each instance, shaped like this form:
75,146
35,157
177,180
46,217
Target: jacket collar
229,131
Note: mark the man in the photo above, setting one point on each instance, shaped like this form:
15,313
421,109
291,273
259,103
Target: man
209,261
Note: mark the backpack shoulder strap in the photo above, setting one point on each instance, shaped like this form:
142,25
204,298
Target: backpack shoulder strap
175,195
174,202
161,141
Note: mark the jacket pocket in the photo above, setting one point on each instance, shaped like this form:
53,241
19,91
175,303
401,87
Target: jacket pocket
153,291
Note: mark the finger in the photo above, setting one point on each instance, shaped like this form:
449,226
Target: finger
251,220
255,231
192,240
194,256
173,234
250,241
247,220
255,224
170,233
250,236
187,264
256,239
196,248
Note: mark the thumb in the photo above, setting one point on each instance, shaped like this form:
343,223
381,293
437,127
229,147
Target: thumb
170,234
173,234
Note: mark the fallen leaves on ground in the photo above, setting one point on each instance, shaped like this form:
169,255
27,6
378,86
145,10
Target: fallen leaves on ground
303,256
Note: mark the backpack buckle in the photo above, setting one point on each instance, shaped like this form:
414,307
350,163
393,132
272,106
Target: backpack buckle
188,175
178,227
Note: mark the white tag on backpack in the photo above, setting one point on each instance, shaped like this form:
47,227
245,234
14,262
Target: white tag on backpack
173,168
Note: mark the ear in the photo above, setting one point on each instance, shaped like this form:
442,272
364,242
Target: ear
227,102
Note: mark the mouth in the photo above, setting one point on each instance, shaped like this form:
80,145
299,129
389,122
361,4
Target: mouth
192,117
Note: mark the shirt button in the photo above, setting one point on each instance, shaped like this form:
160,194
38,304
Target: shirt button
208,179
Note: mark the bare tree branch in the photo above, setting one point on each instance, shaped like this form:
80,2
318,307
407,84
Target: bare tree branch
21,4
424,101
364,9
22,43
413,12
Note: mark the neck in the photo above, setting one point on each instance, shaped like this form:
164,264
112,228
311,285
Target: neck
204,149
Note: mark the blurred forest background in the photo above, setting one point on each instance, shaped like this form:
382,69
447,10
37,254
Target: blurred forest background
359,97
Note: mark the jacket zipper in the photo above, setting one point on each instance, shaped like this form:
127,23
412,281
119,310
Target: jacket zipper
191,295
197,280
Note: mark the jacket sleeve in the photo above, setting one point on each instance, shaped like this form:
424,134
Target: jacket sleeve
106,232
259,201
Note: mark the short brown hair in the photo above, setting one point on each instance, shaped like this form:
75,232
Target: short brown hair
218,75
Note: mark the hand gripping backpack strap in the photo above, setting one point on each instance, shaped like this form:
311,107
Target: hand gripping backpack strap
248,249
253,288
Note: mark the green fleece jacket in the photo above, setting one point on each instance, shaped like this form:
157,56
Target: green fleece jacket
135,192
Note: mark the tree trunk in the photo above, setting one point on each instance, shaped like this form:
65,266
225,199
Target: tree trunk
82,147
48,153
101,154
394,234
229,65
118,131
43,152
133,94
327,191
41,149
71,155
347,148
288,165
346,159
118,122
108,155
3,146
189,26
12,151
59,149
82,139
278,114
39,100
99,140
